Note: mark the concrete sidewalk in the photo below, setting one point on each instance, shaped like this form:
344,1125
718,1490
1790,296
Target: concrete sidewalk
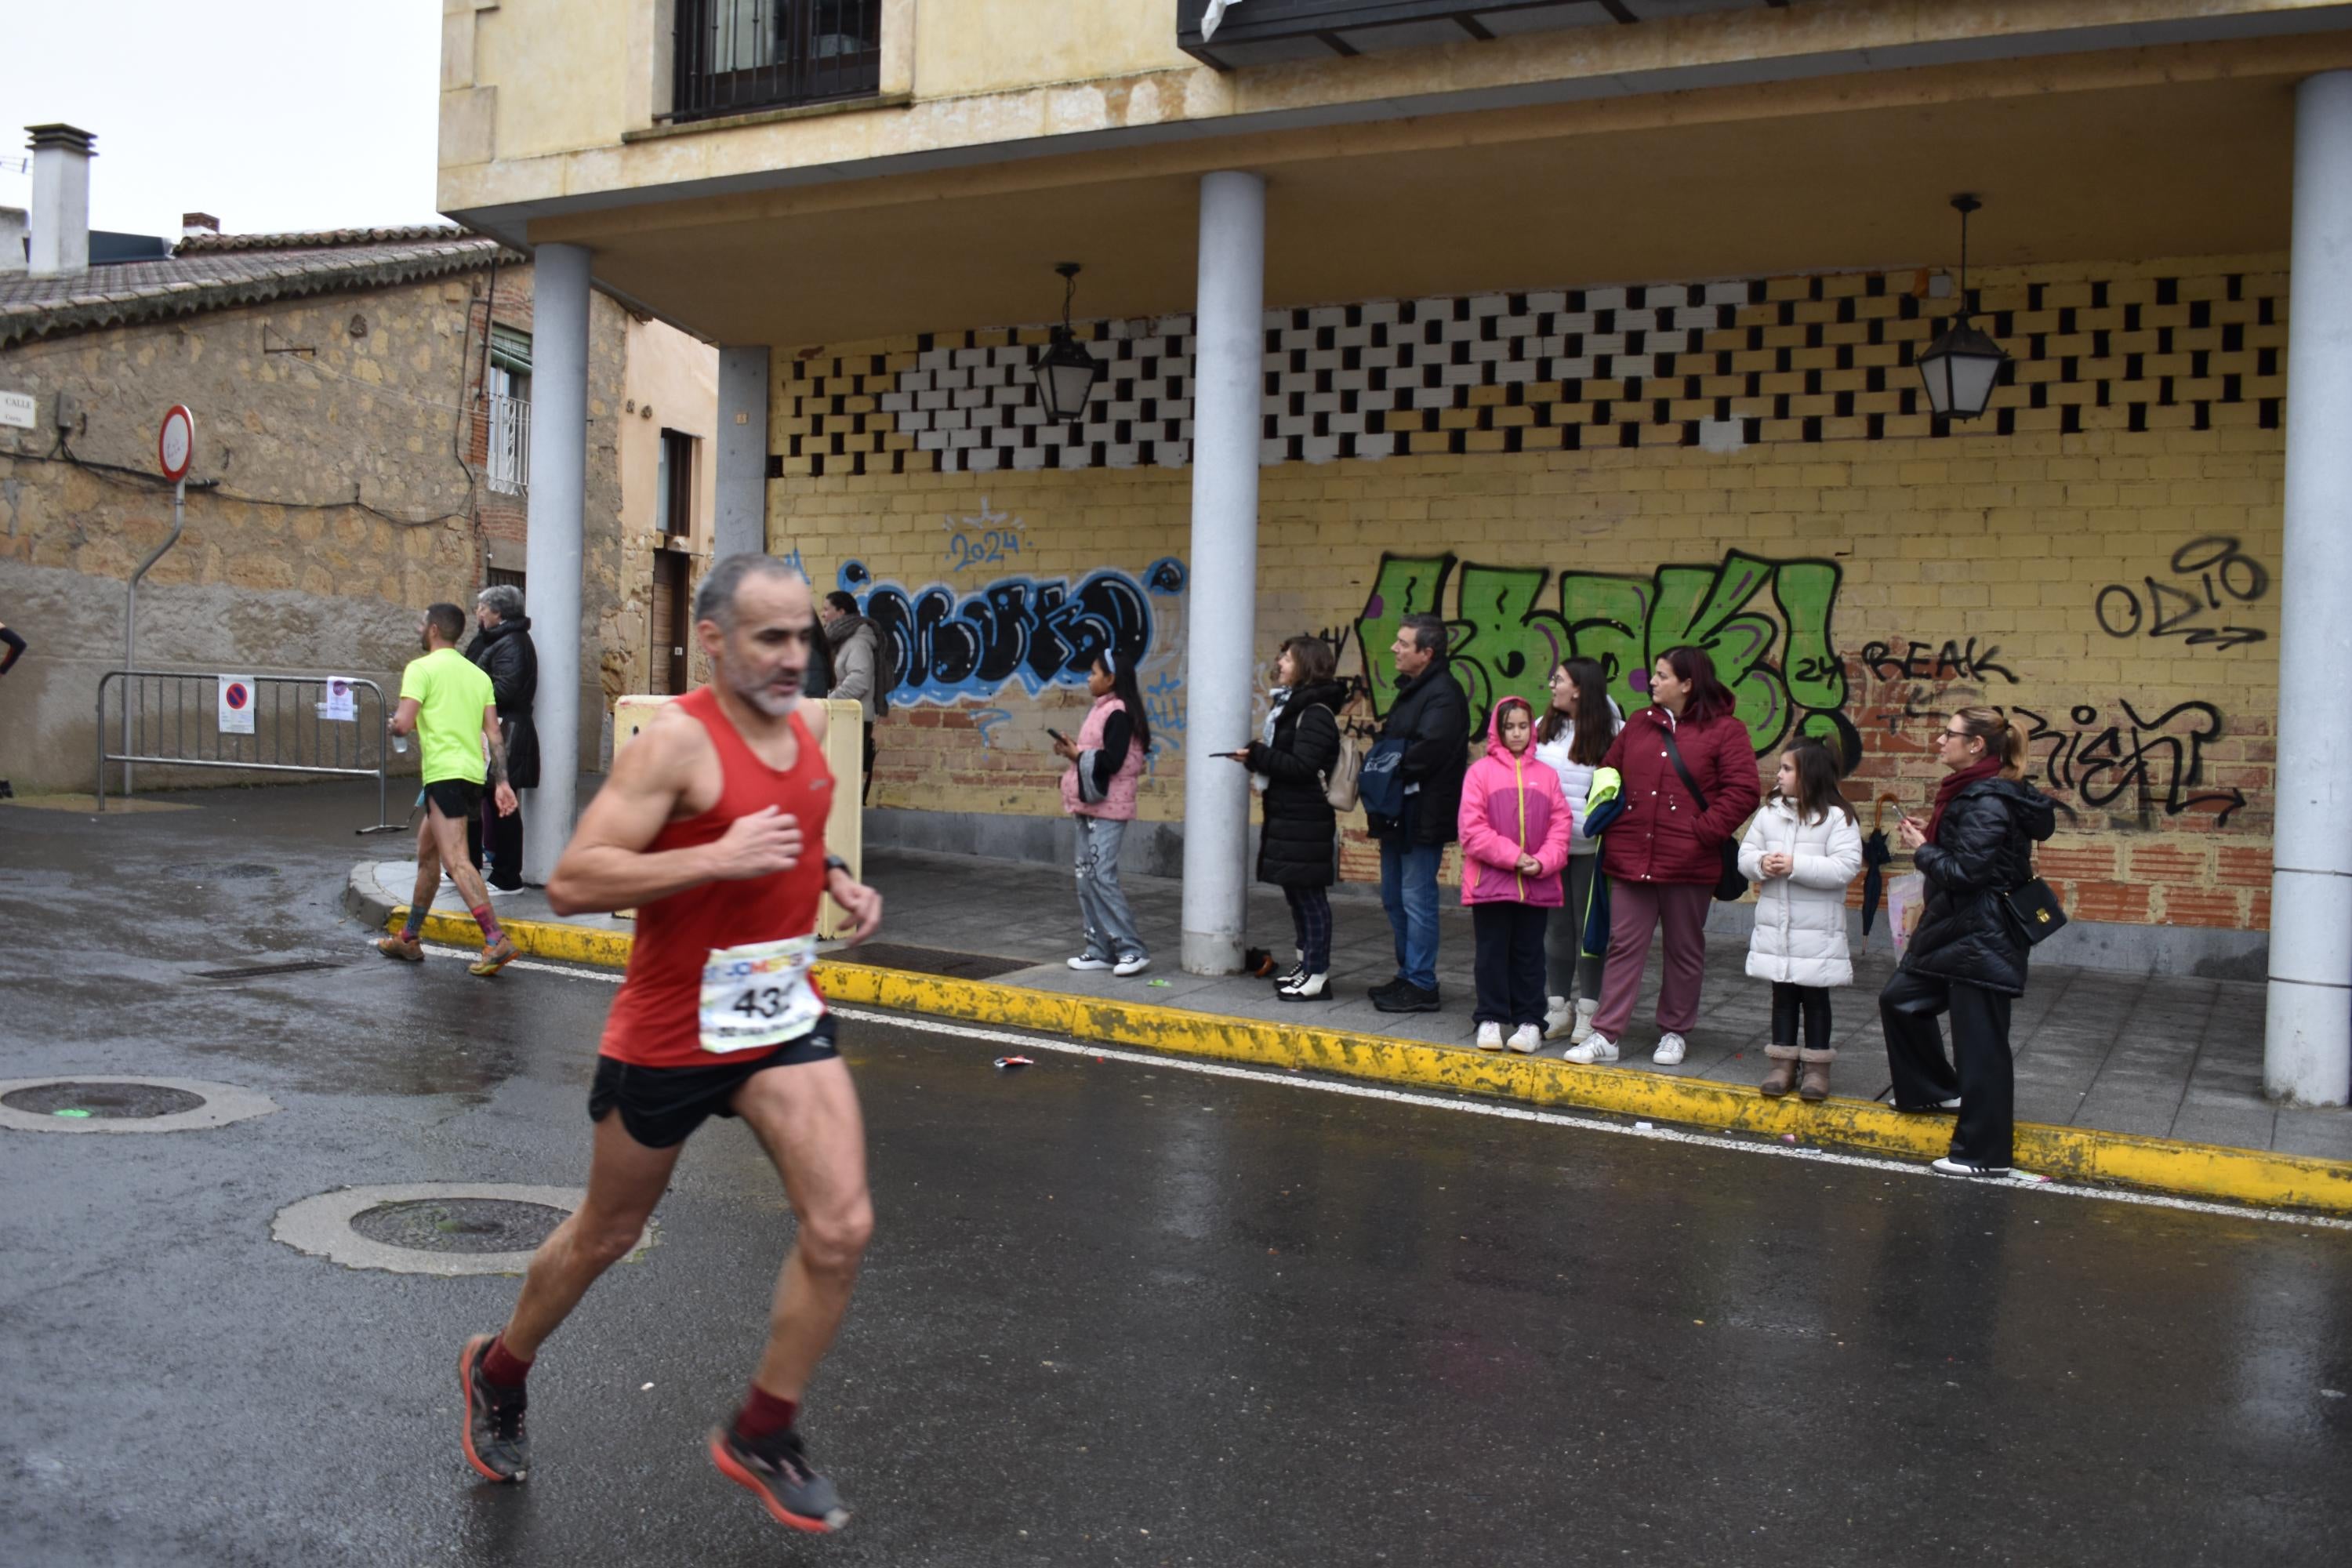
2152,1057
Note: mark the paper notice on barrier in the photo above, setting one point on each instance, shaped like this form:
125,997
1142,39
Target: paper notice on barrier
236,705
342,704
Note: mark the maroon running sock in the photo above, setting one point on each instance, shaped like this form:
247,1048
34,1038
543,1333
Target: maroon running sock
491,936
502,1368
763,1415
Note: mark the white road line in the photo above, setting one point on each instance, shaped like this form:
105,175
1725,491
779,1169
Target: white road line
1293,1080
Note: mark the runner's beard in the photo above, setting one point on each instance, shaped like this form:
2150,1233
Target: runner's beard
765,697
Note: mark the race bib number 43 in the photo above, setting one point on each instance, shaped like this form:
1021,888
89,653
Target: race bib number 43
758,994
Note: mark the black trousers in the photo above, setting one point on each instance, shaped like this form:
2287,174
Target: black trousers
1986,1078
1510,963
1814,1003
502,838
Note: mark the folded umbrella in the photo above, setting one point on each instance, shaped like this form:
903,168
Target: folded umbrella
1875,853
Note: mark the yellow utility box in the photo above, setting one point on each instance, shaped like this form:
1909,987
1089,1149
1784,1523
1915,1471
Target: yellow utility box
844,754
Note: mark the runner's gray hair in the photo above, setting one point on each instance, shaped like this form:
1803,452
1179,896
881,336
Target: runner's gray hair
715,600
503,600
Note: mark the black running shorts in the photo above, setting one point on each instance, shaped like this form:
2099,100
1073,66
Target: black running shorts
456,799
661,1106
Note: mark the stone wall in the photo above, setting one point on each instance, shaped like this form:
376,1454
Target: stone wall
336,491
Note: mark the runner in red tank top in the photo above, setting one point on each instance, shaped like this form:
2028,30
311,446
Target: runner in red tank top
712,828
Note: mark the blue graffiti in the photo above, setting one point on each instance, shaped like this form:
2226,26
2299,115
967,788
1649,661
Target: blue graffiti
943,645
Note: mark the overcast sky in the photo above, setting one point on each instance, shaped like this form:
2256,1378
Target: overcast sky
270,114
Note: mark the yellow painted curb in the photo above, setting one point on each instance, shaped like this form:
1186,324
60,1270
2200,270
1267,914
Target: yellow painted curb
2071,1153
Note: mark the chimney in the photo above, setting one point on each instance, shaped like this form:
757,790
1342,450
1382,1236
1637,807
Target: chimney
194,224
61,155
12,240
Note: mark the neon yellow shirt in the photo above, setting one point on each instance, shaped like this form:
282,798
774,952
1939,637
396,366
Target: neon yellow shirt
450,695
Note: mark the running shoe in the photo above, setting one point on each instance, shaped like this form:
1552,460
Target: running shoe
407,948
777,1469
495,957
493,1435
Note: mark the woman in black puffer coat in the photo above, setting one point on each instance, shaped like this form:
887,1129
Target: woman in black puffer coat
1298,850
1968,955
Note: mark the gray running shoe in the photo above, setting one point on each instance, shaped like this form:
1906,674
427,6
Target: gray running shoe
493,1435
777,1469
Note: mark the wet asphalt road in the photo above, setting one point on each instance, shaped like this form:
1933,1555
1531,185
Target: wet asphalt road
1114,1314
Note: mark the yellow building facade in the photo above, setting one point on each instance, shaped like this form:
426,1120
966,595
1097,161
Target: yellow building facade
1591,328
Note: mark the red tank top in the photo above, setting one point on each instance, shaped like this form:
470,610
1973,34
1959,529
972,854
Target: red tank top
655,1020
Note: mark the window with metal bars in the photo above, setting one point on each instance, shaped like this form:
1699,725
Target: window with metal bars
735,55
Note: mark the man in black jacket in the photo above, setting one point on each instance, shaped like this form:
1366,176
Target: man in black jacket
1432,716
503,650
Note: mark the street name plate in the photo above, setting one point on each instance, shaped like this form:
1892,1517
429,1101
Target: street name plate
17,409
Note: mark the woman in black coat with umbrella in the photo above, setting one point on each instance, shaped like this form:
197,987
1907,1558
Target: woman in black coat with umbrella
1968,957
1298,850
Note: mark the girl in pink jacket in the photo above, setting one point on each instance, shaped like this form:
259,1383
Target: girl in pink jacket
1514,831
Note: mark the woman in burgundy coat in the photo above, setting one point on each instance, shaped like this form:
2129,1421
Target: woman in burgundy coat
1664,856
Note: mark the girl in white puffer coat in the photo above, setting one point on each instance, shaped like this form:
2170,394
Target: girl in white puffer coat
1804,848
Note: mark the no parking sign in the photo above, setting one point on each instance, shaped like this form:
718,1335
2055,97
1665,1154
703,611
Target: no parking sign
236,705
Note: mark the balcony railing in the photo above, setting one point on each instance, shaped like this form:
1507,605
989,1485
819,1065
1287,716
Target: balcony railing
736,56
510,453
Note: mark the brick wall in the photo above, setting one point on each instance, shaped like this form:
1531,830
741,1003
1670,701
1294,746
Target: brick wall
1747,465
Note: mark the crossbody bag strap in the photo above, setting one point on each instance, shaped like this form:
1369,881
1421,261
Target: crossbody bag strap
1674,755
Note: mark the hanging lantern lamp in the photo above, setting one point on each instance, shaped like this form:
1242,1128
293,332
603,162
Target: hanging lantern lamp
1962,364
1067,373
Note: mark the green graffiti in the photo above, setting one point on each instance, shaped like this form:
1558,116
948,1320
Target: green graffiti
1773,651
1407,586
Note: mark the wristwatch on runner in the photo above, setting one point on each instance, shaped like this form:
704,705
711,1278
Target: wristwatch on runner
835,863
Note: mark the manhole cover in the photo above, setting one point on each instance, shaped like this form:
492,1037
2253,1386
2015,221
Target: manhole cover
459,1224
446,1228
235,871
110,1100
124,1104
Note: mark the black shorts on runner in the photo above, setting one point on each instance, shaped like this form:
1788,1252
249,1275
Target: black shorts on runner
661,1106
456,799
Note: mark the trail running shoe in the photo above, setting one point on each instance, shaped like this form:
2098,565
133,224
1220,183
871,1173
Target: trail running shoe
495,957
407,948
493,1435
777,1469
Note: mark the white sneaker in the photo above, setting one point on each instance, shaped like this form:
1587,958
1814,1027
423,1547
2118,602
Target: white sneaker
1088,961
1127,966
1490,1035
1585,1012
1670,1050
1557,1013
1597,1048
1525,1038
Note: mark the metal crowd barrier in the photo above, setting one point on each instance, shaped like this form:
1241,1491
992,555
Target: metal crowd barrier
172,719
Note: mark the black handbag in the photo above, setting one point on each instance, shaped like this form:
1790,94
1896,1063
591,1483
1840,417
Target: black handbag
2035,911
1731,887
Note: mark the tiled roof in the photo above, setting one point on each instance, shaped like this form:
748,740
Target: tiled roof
211,272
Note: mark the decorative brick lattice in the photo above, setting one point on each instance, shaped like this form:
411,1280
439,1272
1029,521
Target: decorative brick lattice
1827,357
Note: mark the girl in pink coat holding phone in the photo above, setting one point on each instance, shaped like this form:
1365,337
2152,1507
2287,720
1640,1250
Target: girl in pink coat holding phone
1514,826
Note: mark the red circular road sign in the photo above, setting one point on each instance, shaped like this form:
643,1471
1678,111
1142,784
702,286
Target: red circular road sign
237,696
176,444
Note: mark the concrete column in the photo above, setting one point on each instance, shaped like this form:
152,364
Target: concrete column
742,508
1229,334
559,484
61,155
2308,1041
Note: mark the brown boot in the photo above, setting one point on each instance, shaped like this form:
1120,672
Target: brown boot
1784,1071
1817,1074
